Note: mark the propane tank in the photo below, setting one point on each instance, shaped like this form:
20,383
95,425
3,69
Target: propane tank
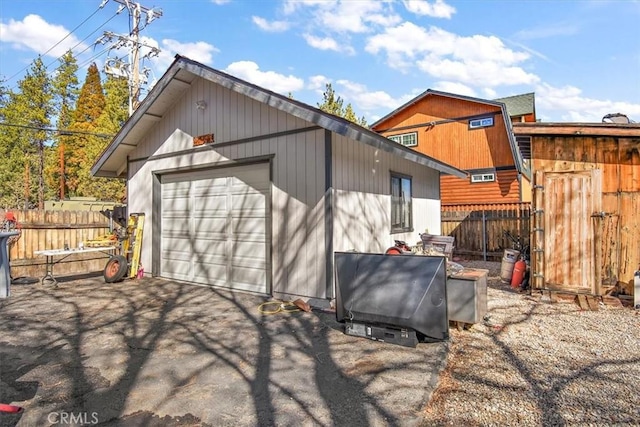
518,273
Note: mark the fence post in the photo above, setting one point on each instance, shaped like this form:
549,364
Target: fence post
484,235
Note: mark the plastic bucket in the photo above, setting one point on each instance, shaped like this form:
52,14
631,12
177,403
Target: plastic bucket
508,261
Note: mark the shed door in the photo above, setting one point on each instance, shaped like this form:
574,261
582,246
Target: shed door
215,227
570,201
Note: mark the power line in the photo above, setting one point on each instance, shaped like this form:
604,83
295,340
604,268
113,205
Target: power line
61,40
59,131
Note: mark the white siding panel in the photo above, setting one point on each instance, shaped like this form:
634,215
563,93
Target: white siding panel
297,222
362,202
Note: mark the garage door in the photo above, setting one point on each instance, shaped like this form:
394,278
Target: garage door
214,227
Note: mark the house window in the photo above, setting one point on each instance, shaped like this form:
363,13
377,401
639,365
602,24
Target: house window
406,139
401,211
481,122
483,177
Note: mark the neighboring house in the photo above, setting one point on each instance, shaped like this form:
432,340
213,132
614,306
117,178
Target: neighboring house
469,133
248,189
520,108
585,205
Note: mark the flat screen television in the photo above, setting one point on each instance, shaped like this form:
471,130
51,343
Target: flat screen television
398,291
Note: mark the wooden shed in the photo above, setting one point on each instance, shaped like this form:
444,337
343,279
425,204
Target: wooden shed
586,201
247,189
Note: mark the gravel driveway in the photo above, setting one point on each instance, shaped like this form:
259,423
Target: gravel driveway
537,363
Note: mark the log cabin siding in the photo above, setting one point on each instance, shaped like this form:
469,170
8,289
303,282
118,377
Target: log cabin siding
505,188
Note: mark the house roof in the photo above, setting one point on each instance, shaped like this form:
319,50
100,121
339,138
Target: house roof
519,105
431,92
517,156
183,72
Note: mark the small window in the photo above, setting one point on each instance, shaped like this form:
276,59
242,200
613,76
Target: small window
483,177
481,122
406,139
401,210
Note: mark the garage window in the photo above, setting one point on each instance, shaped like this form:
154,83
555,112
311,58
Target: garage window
401,210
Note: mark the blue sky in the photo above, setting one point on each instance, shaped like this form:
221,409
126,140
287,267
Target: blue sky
581,58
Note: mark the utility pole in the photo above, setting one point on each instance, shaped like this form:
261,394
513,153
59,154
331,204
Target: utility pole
131,69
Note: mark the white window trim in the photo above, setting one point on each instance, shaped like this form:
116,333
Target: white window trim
399,138
481,122
483,177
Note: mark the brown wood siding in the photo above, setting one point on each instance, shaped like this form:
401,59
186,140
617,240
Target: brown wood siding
525,118
504,189
619,160
454,142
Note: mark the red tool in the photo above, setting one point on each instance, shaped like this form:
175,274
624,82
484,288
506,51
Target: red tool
10,409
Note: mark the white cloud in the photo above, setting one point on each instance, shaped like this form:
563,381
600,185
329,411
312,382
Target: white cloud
475,60
280,83
318,83
35,34
548,31
570,104
220,2
198,51
364,100
333,16
455,88
270,26
489,93
327,43
437,9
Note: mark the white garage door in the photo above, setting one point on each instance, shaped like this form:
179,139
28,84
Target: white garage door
214,227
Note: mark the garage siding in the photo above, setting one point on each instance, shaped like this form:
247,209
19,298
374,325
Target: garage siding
297,175
362,202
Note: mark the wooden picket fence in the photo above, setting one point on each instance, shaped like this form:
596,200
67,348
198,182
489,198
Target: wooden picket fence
478,229
43,230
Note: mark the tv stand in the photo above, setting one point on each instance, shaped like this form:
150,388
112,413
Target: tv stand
403,337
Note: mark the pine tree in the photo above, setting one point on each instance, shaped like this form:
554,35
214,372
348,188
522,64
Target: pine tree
115,113
89,107
31,108
334,104
65,89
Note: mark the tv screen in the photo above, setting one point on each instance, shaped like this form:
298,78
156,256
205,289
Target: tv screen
400,291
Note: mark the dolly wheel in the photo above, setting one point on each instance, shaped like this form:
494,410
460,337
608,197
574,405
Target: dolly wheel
115,269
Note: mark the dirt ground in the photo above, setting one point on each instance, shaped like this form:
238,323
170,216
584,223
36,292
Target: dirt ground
159,353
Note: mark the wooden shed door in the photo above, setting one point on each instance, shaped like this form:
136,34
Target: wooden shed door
570,204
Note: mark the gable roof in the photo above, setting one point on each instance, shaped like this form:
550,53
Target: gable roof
517,156
430,92
519,105
112,162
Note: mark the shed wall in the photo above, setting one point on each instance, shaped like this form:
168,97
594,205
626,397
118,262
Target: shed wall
297,173
619,160
362,203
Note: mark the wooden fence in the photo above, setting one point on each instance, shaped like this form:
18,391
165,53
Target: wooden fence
42,230
479,229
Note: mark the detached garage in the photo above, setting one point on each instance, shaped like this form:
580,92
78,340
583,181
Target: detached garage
250,190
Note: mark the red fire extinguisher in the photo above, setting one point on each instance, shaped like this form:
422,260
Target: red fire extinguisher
518,273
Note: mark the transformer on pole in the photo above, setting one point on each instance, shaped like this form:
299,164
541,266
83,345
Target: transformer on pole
131,68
